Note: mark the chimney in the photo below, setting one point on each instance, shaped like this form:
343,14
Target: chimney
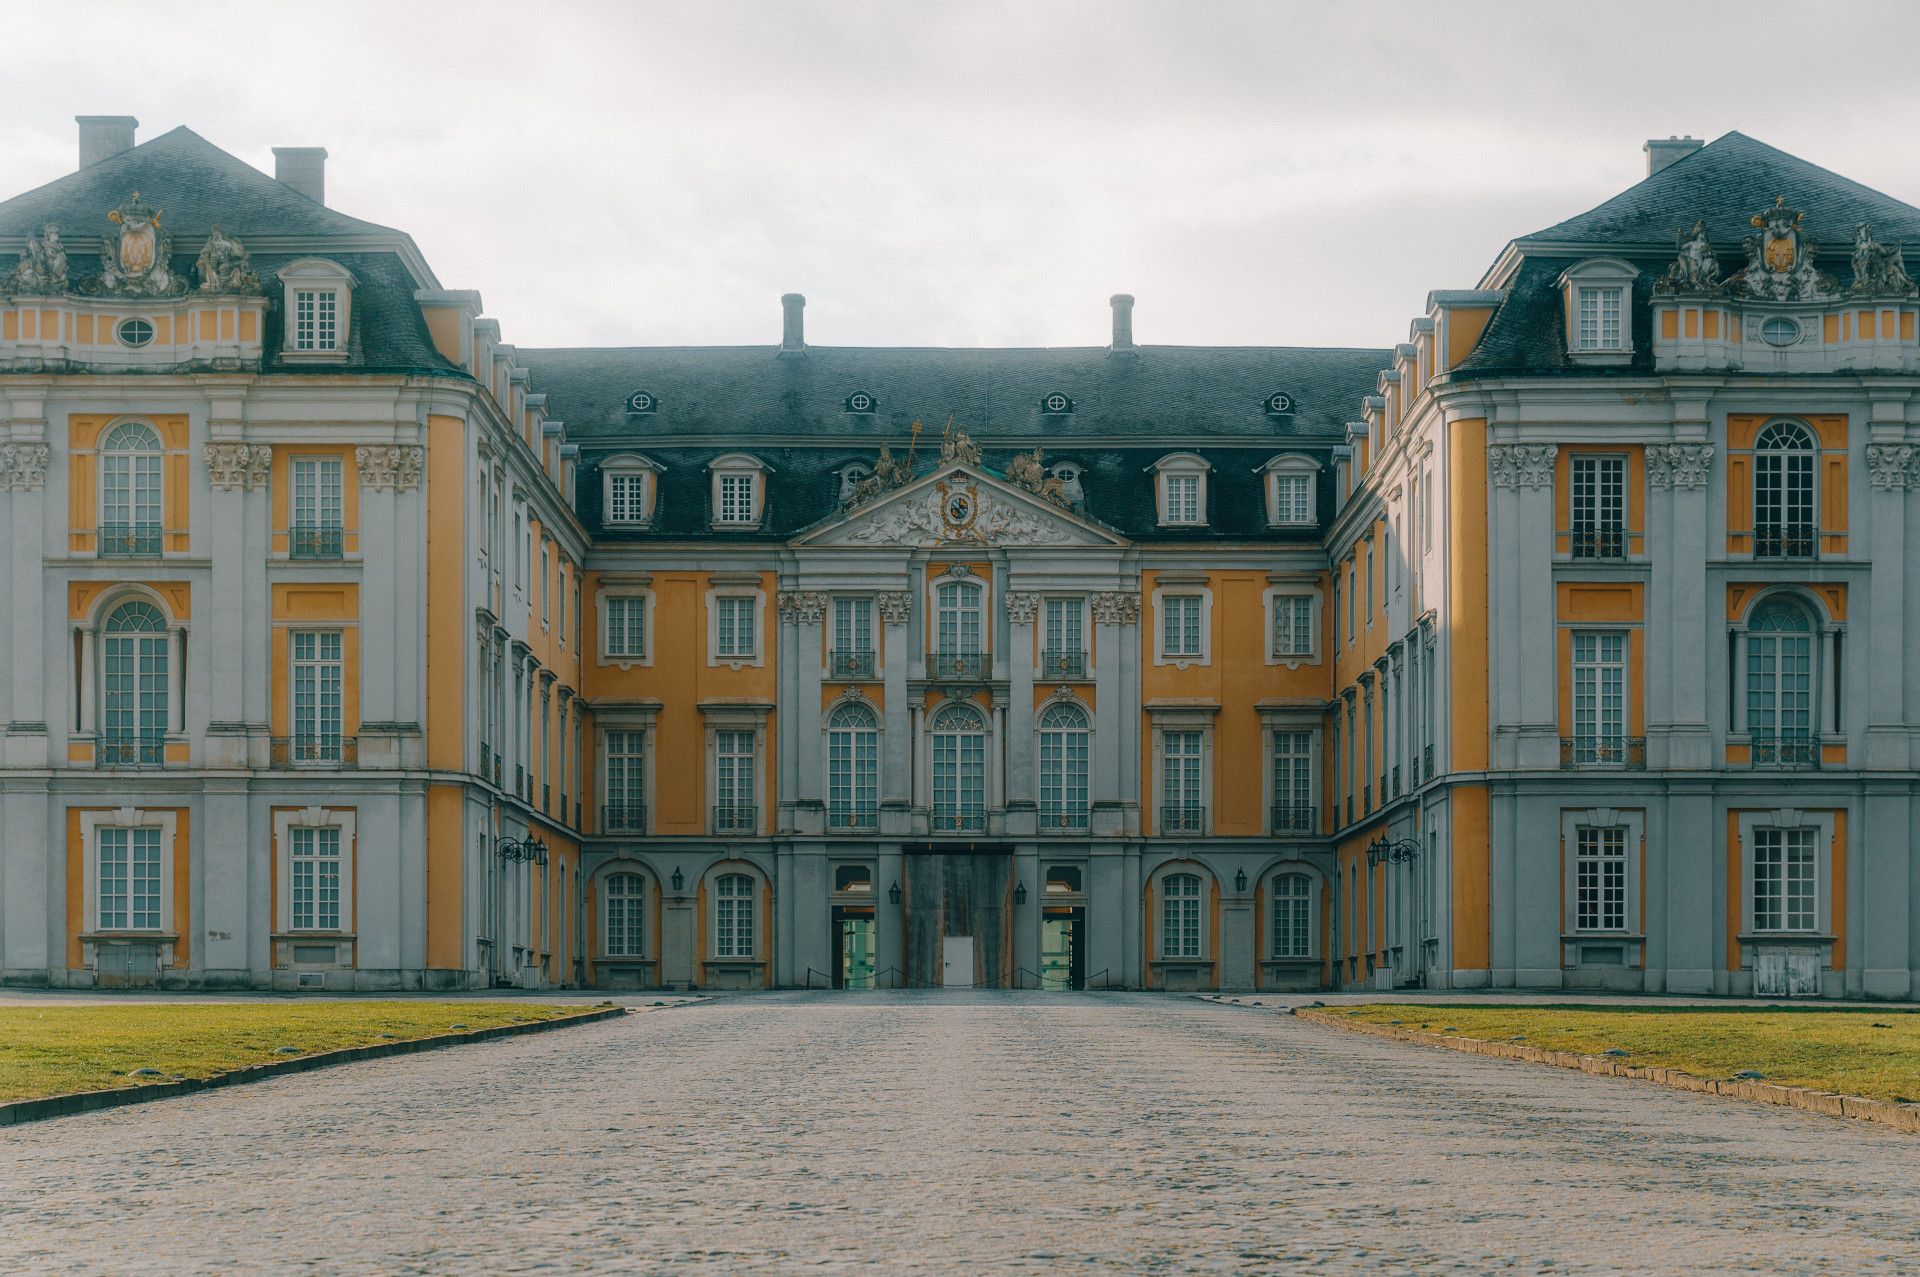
1662,152
102,136
793,326
1122,321
304,168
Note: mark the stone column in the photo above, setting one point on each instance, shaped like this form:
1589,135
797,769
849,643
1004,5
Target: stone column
1021,781
89,683
1890,467
1527,733
802,786
897,741
1115,788
889,930
1683,469
221,623
37,619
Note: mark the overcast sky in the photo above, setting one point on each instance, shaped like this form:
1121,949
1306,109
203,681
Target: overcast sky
968,173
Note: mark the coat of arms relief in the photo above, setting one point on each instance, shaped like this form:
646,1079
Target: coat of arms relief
136,260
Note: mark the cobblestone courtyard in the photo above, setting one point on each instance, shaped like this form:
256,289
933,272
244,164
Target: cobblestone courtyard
931,1132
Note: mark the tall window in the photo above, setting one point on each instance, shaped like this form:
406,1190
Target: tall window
1292,916
1064,650
1783,522
733,934
626,801
1180,789
317,683
1292,625
314,532
546,580
1785,879
1600,879
733,626
1180,916
1180,630
959,768
853,637
1599,698
1370,594
1780,684
130,469
315,864
316,319
1353,589
736,498
627,498
1293,783
1599,327
957,618
733,782
135,666
1293,499
1182,497
1599,507
626,933
627,626
128,874
1063,768
853,768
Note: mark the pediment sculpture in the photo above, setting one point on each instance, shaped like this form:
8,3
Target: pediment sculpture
42,268
1028,470
886,475
224,265
1781,262
1879,270
1696,270
958,445
136,256
956,514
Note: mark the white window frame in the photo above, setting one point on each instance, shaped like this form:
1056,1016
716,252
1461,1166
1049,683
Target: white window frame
982,593
1270,727
1632,823
1600,519
315,275
629,465
1607,747
1182,719
1821,824
328,500
91,822
606,602
285,820
962,814
756,891
1182,465
860,774
734,465
1283,471
1074,745
1199,901
1778,461
757,610
1179,660
637,905
643,731
1290,598
318,664
750,719
1601,275
546,581
145,474
1311,951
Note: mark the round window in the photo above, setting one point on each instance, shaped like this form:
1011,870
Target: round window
641,401
1780,331
134,332
860,402
1279,402
1056,403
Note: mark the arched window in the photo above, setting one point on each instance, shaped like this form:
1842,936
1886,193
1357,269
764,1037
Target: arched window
957,613
625,915
733,921
1780,682
130,466
135,664
959,768
1292,916
1783,465
1063,768
1180,916
853,768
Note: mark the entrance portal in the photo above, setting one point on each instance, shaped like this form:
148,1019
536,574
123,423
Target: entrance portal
956,965
853,949
955,897
1063,949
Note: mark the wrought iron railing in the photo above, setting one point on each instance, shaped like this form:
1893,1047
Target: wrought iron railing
1629,752
731,818
1063,664
853,666
958,665
959,822
623,818
317,750
1785,749
130,751
1396,780
1183,818
546,796
857,817
129,540
1293,818
1599,543
486,760
1785,541
315,543
1063,818
1426,755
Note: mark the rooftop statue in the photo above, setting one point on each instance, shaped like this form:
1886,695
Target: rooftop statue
1781,262
1028,470
887,475
42,268
135,258
1696,270
224,266
959,446
1879,270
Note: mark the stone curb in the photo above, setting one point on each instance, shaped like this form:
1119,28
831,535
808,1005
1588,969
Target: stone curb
88,1101
1903,1117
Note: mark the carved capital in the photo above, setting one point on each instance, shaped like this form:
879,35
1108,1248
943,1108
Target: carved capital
1021,607
23,466
894,607
1522,465
1679,465
392,465
804,607
1890,465
1116,607
238,465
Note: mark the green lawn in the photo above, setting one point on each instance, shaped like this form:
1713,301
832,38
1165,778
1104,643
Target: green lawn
53,1050
1869,1053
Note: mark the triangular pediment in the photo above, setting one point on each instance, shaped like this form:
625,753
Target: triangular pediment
958,504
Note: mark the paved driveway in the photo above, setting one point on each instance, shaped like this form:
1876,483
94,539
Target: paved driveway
932,1132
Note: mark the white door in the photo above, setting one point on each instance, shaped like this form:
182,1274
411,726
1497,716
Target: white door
956,962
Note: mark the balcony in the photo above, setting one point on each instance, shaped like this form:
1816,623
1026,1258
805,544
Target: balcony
124,752
1293,818
731,818
129,540
1063,664
959,822
322,750
857,818
1599,543
315,543
623,818
852,667
1625,752
1785,541
1183,818
954,666
1787,750
1063,818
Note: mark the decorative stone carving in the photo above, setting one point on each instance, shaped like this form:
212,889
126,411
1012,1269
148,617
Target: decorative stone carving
225,267
886,475
23,466
1021,607
1879,270
1522,465
895,607
1116,607
1679,465
804,607
1696,270
1028,470
1890,465
239,465
959,515
393,465
42,268
135,258
1780,261
957,445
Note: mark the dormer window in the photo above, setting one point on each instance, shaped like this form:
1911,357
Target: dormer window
861,402
739,495
1289,483
643,401
1598,295
1181,480
629,485
1277,404
317,307
1056,404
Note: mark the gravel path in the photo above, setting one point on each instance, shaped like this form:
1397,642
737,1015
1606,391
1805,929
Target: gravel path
930,1132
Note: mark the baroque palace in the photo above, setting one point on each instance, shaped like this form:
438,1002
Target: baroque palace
1559,645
